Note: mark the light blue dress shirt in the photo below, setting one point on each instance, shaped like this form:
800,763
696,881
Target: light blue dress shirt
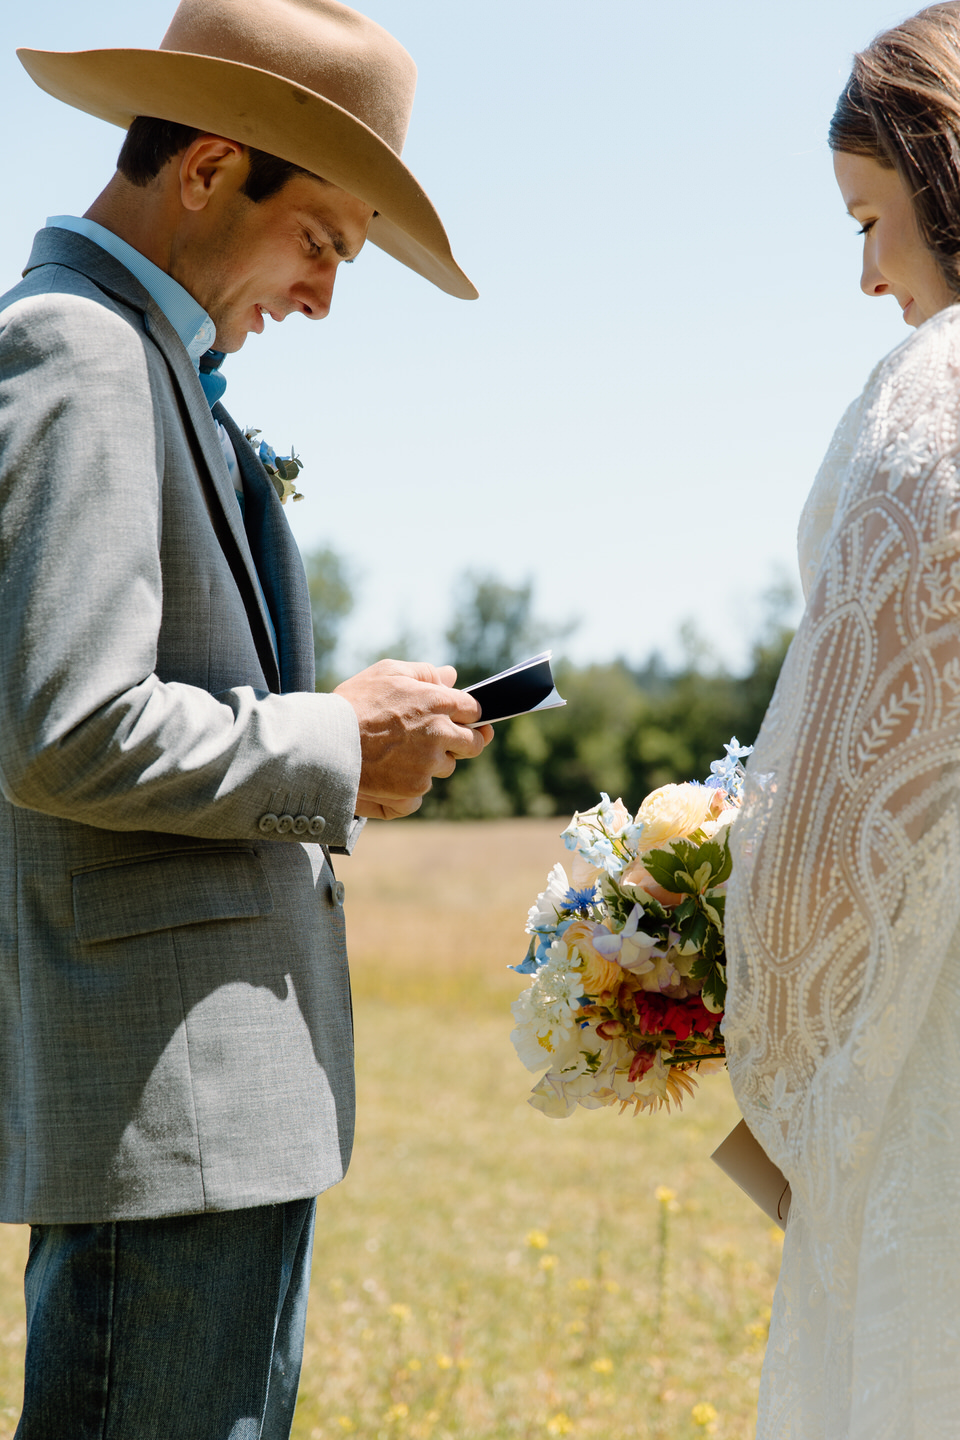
188,318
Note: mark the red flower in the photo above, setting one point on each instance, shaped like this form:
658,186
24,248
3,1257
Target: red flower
642,1062
657,1013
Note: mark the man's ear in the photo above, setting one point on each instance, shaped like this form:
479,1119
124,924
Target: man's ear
206,164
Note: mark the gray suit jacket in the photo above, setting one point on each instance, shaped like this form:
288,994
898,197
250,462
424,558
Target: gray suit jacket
175,1023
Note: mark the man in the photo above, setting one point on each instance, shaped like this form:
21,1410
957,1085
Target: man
175,1028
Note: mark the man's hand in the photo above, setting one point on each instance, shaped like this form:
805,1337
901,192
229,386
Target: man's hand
412,729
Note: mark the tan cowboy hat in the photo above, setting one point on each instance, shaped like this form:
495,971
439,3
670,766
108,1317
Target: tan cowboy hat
308,80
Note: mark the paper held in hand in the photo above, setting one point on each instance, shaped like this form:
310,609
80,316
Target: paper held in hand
746,1162
518,691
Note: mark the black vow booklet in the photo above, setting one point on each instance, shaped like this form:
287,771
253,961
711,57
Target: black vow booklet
517,691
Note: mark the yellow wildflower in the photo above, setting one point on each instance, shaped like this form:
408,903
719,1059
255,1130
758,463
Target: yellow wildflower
548,1262
561,1424
537,1239
703,1414
444,1362
603,1366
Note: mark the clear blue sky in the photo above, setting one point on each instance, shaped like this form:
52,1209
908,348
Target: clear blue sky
669,326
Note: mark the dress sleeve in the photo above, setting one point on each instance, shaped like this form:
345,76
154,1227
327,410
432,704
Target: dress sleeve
845,892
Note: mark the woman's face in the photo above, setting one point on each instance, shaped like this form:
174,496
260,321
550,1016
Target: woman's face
895,259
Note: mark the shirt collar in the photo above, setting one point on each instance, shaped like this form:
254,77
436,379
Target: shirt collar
191,322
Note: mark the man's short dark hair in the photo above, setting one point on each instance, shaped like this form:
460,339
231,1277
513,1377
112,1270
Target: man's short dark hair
150,143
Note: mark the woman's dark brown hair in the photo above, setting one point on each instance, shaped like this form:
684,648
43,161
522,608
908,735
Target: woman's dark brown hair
901,107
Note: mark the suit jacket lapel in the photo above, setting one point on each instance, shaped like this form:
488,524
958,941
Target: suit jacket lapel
278,564
76,252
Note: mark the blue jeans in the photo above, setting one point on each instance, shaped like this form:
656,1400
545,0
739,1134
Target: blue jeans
189,1328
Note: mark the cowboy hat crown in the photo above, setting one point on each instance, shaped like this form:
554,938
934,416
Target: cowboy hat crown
310,81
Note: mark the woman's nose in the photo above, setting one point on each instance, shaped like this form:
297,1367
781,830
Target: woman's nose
872,281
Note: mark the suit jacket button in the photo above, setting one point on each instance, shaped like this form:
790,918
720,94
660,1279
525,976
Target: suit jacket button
284,824
301,825
317,826
267,822
339,890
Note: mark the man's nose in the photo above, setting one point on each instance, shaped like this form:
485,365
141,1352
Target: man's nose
315,294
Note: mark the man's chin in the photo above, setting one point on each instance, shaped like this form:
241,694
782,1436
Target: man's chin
231,342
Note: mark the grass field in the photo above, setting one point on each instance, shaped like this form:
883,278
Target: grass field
484,1272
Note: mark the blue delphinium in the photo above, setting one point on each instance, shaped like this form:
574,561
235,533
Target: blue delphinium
728,774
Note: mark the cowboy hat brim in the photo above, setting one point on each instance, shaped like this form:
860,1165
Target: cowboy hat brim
270,113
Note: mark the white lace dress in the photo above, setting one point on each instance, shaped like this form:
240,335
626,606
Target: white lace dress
843,1018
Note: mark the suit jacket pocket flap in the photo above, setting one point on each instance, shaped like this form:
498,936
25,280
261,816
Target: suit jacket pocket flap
185,887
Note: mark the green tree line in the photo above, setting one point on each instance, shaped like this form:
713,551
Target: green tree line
625,729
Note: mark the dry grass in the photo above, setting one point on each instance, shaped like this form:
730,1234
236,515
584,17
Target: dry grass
484,1272
433,1314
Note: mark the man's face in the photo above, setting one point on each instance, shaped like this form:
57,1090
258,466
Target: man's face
244,259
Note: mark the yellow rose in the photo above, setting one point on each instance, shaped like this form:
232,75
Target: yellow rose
674,811
600,975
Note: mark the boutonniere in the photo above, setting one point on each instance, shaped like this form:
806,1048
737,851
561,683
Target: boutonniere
282,469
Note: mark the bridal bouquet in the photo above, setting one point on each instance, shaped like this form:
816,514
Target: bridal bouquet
627,954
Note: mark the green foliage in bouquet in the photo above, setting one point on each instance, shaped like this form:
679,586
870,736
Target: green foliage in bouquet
627,955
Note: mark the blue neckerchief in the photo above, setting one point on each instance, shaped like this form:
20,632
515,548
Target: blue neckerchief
212,381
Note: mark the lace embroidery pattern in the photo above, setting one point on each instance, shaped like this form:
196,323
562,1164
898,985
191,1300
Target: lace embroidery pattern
843,1016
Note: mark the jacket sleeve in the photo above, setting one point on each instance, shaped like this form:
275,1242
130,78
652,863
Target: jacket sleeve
88,731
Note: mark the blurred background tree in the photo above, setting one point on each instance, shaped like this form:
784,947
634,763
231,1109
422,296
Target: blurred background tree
492,628
331,600
625,729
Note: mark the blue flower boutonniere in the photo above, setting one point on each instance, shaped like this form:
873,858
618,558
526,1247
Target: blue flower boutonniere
282,469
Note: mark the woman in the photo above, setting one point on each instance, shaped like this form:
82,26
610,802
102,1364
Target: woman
843,1018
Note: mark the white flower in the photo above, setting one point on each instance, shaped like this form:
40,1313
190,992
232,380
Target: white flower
635,946
539,1046
713,829
543,915
553,1098
545,1013
557,987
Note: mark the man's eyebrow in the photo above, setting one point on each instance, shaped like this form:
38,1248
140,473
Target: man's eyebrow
334,238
